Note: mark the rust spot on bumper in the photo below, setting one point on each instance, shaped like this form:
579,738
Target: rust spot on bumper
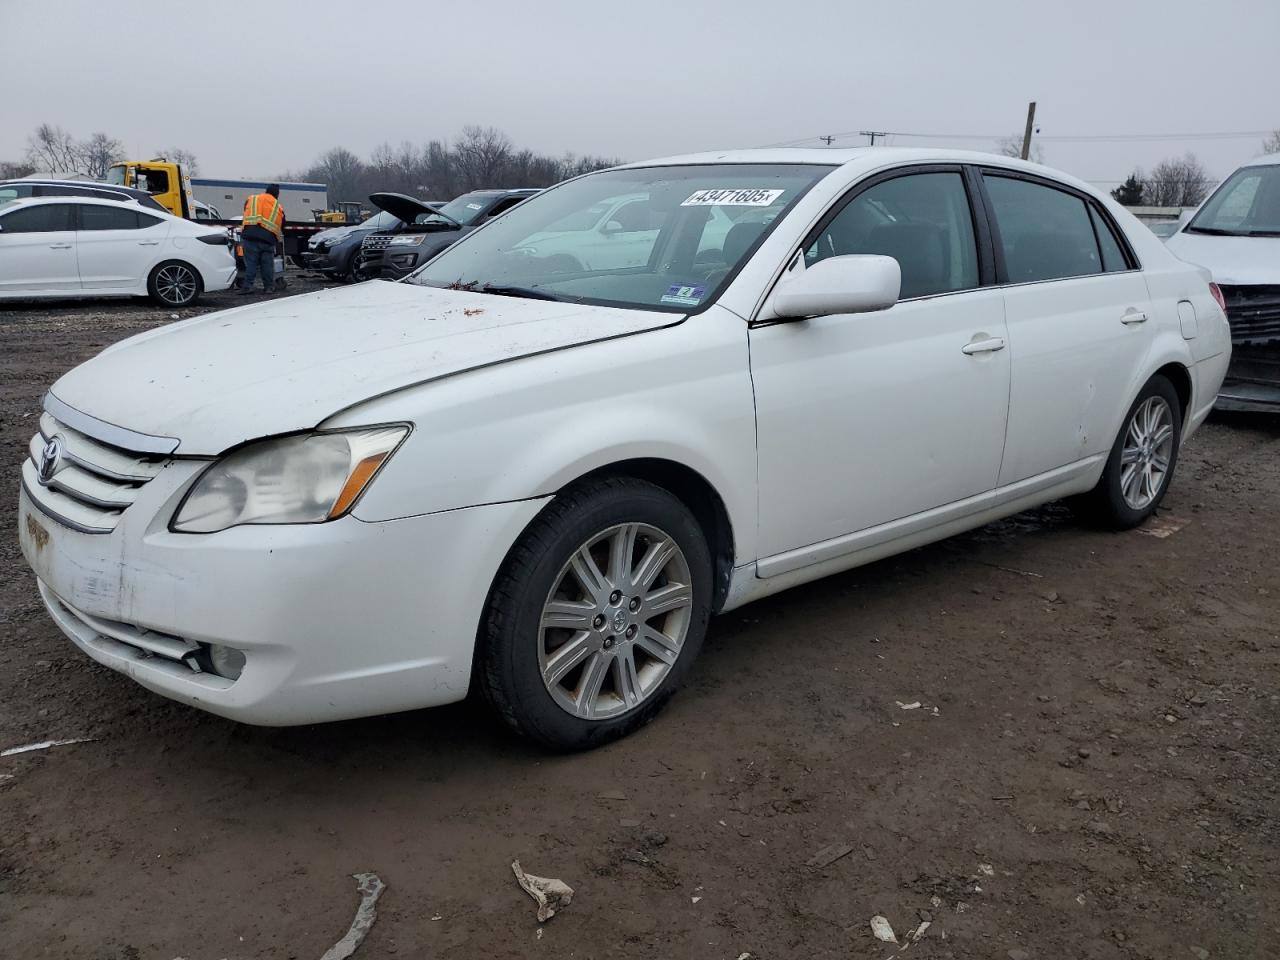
38,534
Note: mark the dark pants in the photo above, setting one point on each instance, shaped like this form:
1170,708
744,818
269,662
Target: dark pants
259,258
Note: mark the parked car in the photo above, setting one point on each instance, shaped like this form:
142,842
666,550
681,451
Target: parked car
393,256
336,252
21,189
1236,236
544,478
88,247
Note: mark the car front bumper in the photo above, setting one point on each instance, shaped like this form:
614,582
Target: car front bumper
335,620
1253,379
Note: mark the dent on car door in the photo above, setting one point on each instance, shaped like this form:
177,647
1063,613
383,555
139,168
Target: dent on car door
863,419
1077,310
38,249
118,245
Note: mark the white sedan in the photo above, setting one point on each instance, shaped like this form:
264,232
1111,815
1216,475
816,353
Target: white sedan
539,479
85,247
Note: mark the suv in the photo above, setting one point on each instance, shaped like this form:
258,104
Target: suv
19,189
336,251
1236,236
394,257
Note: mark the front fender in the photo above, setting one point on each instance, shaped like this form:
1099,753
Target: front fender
525,429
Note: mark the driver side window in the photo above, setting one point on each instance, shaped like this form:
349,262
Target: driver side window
922,220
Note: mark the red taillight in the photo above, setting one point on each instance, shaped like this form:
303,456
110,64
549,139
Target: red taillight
1217,295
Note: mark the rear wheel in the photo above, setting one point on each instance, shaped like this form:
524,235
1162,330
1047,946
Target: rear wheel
598,614
175,284
1140,466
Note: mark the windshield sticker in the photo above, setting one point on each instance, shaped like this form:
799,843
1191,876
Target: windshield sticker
473,206
733,198
685,296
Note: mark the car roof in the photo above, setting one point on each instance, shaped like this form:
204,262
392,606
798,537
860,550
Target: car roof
1266,160
501,191
93,201
859,159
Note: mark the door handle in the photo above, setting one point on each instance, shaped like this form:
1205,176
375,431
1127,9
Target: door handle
148,243
990,345
1132,316
59,246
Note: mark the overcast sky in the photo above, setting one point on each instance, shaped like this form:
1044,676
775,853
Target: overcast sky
254,88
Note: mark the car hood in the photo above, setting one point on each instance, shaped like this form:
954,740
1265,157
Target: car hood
1231,260
286,365
334,234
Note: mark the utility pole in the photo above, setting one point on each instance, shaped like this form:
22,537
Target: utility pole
1026,136
827,139
873,134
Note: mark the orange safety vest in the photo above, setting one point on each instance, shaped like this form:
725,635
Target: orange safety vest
264,210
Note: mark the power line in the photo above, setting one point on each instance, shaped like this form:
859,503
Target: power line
1061,138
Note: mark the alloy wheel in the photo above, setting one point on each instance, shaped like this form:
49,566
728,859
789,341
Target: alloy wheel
1147,451
175,284
615,621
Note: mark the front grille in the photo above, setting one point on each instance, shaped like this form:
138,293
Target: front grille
1253,312
92,484
375,242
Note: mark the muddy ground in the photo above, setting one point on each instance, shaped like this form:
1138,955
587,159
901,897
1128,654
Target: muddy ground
1091,772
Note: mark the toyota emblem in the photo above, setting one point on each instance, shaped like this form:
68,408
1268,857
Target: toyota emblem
50,458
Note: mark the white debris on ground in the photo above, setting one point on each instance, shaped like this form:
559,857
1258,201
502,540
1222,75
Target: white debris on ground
44,745
882,930
551,895
913,705
370,888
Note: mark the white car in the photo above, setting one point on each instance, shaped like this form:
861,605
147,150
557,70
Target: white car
1235,235
541,481
87,247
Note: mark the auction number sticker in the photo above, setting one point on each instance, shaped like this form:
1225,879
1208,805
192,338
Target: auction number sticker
685,296
474,206
749,197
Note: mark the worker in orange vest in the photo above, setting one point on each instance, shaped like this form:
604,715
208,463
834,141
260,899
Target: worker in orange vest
261,230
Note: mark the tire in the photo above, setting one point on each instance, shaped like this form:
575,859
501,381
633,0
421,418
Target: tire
633,652
1149,441
175,284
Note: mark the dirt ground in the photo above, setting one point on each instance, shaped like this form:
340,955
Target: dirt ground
1091,772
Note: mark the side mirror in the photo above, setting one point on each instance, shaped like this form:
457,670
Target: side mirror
855,283
613,226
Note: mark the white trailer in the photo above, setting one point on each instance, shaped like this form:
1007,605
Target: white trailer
300,200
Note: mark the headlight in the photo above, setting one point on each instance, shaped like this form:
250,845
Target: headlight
309,478
408,240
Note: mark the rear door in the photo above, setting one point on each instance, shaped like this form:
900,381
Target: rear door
38,250
118,245
1077,309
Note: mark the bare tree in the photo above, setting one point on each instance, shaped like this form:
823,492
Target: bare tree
1272,143
1177,182
189,162
341,170
98,153
1011,146
53,150
480,154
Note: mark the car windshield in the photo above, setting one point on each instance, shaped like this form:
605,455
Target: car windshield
466,209
381,221
1246,205
672,238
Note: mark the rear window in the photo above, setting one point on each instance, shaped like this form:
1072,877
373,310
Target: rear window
1046,234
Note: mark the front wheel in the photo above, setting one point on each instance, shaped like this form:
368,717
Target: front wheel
174,284
597,615
1140,466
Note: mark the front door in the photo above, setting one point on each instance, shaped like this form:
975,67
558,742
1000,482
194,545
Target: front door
38,249
863,419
